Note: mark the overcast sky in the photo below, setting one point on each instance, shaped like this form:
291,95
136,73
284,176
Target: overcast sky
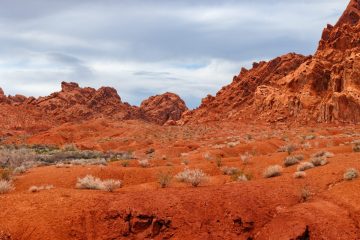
147,47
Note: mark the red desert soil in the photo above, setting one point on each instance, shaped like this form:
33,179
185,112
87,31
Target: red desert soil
312,102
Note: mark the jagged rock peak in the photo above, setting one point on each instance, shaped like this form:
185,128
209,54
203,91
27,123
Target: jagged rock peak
351,14
67,87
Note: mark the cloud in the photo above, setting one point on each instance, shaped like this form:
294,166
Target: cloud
148,47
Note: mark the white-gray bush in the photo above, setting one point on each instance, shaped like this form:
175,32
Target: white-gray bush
304,166
192,176
273,171
319,161
299,174
90,182
351,174
5,186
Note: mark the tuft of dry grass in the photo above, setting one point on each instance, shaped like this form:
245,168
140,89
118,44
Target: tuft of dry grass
193,176
319,161
299,174
164,179
90,182
351,174
34,189
304,166
272,171
5,186
144,163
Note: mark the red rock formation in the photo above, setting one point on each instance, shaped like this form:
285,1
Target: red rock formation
74,104
163,108
324,87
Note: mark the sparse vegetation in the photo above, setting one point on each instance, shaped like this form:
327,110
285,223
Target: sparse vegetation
356,147
299,174
230,170
290,161
124,163
34,189
144,163
351,174
273,171
319,161
287,148
90,182
164,179
305,194
304,166
323,154
192,176
245,158
218,162
5,186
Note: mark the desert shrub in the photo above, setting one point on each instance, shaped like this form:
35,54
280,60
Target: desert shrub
144,163
324,154
110,185
90,182
5,186
14,157
305,194
185,161
351,174
356,147
245,158
5,174
218,162
83,162
34,189
299,157
242,178
124,163
300,174
287,148
164,179
69,147
63,165
19,170
193,176
304,166
309,137
230,170
273,171
290,160
319,161
207,156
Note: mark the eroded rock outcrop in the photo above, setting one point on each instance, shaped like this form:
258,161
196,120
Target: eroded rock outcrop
323,88
163,108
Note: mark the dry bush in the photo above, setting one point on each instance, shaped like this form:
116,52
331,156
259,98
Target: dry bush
5,186
193,176
125,163
290,161
34,189
91,161
63,165
304,166
273,171
219,162
14,157
324,154
299,174
351,174
287,148
5,174
90,182
319,161
19,170
144,163
305,194
230,170
110,185
242,178
356,147
164,179
245,158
